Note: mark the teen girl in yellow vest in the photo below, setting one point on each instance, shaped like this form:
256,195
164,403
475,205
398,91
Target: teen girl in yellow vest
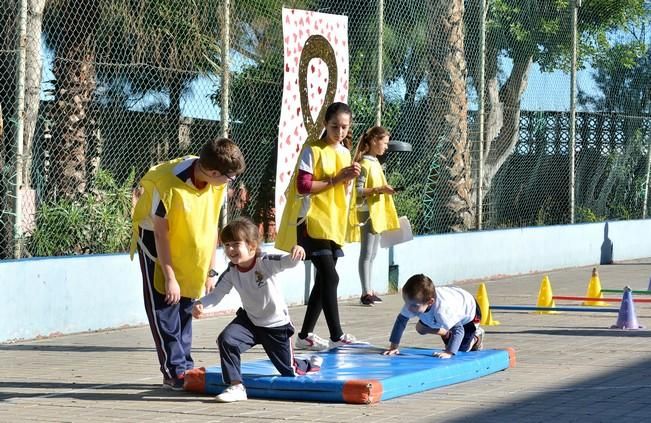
175,231
373,209
316,218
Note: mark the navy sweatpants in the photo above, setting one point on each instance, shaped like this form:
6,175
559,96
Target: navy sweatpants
241,335
170,324
460,337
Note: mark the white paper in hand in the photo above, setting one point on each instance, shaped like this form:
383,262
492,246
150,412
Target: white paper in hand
397,236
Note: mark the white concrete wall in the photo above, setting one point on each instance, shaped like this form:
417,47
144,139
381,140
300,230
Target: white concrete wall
480,255
42,297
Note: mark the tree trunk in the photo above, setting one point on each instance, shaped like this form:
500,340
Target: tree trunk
74,71
175,87
448,108
501,137
32,83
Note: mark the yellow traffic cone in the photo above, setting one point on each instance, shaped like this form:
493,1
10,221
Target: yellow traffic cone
594,290
545,296
484,305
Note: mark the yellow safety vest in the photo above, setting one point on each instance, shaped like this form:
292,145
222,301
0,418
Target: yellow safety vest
192,216
381,208
327,215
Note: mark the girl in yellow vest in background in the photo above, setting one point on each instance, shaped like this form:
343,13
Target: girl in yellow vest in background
175,222
316,218
374,206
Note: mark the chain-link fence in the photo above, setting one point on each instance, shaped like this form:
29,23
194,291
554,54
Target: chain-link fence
92,93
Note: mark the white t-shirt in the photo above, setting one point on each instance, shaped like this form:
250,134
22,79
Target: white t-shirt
453,306
262,298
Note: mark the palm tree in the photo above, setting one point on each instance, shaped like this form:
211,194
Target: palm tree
70,29
447,107
169,42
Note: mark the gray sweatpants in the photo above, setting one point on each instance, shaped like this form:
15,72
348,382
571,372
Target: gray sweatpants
370,243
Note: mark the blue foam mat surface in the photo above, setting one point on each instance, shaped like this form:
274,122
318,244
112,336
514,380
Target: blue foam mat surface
414,370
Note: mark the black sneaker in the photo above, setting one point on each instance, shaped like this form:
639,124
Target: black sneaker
367,300
375,298
175,383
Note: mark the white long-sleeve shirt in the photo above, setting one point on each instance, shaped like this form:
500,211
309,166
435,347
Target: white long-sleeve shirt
262,298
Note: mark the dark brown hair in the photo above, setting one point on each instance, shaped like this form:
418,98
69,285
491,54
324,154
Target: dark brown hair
364,145
222,155
333,110
241,229
419,287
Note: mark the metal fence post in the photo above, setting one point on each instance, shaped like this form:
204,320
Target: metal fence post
648,170
574,6
380,62
481,111
225,82
20,125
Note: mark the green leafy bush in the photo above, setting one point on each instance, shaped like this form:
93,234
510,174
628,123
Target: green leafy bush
97,222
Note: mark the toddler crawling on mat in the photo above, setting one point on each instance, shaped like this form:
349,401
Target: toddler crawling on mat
448,311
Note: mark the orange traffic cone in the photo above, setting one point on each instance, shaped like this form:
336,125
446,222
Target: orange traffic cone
626,319
594,290
545,296
484,305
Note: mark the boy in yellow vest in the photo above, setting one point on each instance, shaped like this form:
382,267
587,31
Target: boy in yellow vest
175,227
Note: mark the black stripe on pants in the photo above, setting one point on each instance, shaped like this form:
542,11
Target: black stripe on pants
170,324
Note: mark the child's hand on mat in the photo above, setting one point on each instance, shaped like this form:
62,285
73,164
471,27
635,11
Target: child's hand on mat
197,310
393,350
297,253
442,354
172,291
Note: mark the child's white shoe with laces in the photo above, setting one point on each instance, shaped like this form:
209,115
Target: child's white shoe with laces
346,339
232,394
312,342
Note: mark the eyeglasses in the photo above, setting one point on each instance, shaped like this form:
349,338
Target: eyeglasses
229,178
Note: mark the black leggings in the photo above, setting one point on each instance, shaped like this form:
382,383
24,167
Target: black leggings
323,297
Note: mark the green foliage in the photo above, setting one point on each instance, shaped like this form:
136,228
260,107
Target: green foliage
542,28
98,222
586,215
408,201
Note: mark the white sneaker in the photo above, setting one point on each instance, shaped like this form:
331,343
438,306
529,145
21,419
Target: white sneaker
316,361
232,393
313,342
478,345
346,339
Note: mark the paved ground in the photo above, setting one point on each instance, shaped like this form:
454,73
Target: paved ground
571,367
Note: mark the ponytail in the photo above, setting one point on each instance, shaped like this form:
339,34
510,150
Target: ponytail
364,144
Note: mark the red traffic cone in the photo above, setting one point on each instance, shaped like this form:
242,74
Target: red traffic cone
626,319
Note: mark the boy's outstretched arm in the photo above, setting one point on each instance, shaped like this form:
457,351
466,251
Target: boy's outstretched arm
396,333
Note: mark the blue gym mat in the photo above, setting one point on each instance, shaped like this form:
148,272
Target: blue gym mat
358,374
